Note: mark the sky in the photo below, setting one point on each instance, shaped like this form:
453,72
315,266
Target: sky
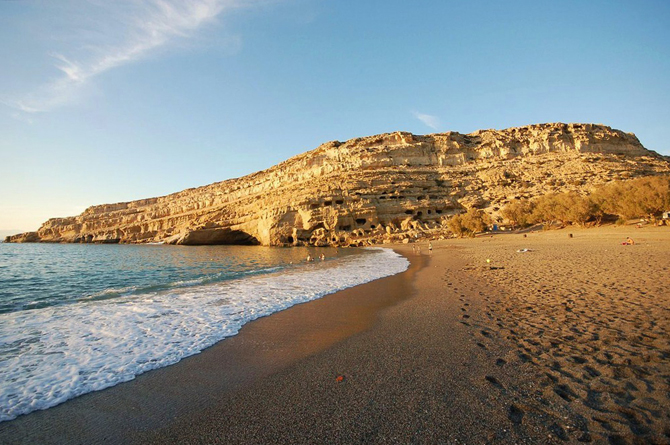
105,102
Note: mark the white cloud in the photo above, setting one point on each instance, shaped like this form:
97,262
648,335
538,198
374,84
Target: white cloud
20,116
115,33
429,120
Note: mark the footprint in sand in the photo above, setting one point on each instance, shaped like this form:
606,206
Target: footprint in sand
558,431
565,392
494,381
525,357
551,377
515,414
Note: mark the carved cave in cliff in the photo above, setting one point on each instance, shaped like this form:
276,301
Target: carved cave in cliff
220,236
238,237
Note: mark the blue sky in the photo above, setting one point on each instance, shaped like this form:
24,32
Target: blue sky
113,101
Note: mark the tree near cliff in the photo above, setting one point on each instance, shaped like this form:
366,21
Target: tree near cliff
518,213
469,223
642,197
566,208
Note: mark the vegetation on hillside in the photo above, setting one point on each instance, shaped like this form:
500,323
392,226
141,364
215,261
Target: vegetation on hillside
469,223
644,197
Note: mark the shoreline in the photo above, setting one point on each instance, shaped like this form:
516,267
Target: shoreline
561,336
418,375
262,347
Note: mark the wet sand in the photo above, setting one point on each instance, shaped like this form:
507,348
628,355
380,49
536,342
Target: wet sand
130,412
566,342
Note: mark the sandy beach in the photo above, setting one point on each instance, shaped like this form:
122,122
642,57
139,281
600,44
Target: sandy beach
589,316
554,339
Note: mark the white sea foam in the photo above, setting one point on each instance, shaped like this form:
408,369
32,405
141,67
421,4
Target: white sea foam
50,355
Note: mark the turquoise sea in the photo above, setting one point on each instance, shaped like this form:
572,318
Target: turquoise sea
79,318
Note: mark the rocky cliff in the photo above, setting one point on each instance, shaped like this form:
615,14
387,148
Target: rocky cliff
368,190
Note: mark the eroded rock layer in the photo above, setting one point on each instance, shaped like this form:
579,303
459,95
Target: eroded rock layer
368,190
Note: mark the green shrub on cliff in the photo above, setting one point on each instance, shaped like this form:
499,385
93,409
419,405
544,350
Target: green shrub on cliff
565,208
642,197
519,213
469,223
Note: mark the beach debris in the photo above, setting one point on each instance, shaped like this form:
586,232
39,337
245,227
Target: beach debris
339,379
524,250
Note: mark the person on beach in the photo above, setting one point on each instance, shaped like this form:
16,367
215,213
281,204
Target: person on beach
322,257
309,258
629,241
430,247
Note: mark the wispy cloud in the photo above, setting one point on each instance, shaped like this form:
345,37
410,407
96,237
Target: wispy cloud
118,33
429,120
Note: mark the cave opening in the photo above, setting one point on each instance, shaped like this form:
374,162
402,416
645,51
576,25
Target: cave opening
219,236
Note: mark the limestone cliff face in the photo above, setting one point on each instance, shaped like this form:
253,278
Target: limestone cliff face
369,190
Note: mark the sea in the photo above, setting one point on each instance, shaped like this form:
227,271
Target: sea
78,318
